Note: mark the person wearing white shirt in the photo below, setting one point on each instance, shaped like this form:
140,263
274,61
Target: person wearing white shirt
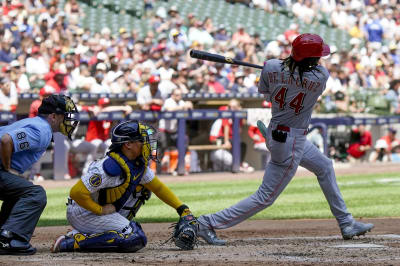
8,95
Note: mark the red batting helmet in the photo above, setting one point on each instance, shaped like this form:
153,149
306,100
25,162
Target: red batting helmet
309,45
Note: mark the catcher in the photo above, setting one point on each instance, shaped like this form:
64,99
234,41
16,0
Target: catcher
103,203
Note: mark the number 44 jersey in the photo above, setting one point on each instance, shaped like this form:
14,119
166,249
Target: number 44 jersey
292,100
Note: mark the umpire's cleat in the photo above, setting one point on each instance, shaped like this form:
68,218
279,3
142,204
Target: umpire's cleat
15,247
355,229
209,235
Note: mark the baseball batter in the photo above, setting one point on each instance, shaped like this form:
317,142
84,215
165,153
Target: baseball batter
105,200
293,86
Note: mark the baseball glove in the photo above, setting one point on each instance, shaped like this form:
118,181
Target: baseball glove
185,232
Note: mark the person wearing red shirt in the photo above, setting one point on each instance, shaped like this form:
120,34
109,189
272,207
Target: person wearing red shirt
98,131
34,174
360,143
214,86
97,139
221,134
44,92
56,80
384,146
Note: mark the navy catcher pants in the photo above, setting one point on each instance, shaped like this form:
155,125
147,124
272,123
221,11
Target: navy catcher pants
23,203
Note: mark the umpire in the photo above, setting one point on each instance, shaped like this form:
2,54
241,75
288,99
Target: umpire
22,143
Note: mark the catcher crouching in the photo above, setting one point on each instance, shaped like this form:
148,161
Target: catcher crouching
103,203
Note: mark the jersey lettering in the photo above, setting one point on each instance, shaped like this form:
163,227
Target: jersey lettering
24,145
296,103
280,97
21,135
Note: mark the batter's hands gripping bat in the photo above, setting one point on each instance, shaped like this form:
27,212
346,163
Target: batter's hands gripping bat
220,59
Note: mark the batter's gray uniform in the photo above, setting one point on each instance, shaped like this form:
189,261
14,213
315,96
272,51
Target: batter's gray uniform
292,105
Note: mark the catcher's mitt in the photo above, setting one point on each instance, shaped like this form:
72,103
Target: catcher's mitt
185,232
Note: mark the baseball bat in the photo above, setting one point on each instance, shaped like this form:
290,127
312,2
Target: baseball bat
220,59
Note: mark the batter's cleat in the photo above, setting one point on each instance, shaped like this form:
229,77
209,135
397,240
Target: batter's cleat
209,235
356,229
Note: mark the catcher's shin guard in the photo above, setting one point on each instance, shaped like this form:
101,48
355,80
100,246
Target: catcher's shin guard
111,241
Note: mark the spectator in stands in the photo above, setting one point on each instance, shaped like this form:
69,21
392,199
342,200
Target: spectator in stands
101,86
221,134
200,84
36,66
374,32
8,95
56,80
392,96
384,145
221,35
149,97
291,33
73,12
214,86
176,44
360,144
198,34
168,128
19,77
240,36
275,47
304,10
238,84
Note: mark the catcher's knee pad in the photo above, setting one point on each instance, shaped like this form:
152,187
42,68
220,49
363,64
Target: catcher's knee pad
112,241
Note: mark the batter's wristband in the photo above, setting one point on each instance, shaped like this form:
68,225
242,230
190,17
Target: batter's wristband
181,209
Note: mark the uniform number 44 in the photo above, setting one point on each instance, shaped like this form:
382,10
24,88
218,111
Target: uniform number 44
296,103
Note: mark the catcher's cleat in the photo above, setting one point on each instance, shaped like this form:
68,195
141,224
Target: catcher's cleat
356,229
57,244
209,235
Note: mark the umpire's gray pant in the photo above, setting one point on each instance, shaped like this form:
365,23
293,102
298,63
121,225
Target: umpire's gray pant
23,203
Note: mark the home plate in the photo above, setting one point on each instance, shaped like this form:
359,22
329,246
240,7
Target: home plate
358,246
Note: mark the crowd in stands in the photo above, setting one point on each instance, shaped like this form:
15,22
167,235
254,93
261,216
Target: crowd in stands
43,44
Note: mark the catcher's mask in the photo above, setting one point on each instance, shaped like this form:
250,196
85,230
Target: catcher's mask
132,130
61,104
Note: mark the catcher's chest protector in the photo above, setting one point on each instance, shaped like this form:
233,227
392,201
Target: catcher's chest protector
119,166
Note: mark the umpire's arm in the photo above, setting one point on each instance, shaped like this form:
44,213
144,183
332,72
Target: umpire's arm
6,150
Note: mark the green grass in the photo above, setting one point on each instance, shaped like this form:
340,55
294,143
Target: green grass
365,196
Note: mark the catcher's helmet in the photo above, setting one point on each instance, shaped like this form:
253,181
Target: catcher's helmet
64,105
309,45
132,130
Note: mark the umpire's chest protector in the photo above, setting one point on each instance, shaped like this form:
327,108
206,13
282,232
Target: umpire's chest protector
117,165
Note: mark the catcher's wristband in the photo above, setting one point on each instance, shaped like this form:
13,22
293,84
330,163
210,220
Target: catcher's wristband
181,209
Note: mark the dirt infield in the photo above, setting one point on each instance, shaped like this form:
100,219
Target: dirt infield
254,242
